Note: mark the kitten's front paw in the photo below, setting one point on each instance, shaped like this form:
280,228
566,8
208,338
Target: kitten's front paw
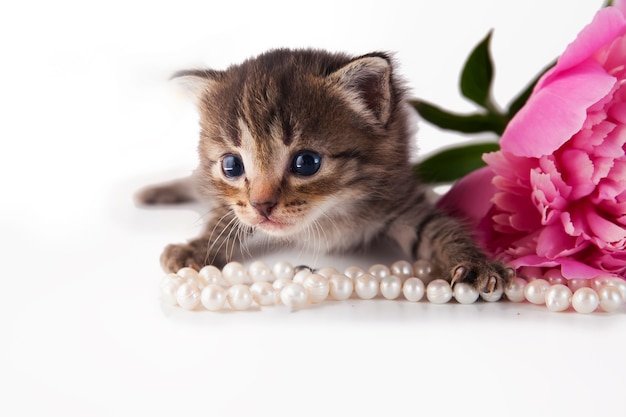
175,257
487,277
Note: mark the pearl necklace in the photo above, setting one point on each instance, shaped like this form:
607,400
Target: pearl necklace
236,288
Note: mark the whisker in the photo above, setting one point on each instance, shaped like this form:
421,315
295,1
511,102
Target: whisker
332,222
304,247
233,230
318,243
217,239
209,213
242,236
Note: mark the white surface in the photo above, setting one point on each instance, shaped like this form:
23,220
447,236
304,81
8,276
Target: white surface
87,118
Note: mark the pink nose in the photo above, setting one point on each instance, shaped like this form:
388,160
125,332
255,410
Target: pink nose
264,208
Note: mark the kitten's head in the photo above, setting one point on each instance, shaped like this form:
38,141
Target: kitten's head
293,138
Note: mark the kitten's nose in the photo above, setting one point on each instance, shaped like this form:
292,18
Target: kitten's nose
264,208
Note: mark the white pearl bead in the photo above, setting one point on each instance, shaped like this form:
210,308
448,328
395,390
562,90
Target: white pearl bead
188,295
585,300
413,289
424,270
492,296
438,291
188,274
169,286
557,297
598,282
556,280
213,297
391,287
515,290
353,272
465,293
340,287
294,295
366,286
327,272
535,291
619,283
575,284
211,274
610,298
317,287
283,269
264,293
260,272
402,269
239,296
379,271
530,273
301,275
279,283
554,276
234,273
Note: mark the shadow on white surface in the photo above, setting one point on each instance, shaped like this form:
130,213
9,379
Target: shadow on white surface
96,340
88,119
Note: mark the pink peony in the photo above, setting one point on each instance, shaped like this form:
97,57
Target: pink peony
554,196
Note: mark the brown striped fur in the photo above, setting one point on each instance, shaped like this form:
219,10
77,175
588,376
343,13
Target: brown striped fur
349,110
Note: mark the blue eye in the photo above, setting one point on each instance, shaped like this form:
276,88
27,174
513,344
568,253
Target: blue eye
306,163
232,166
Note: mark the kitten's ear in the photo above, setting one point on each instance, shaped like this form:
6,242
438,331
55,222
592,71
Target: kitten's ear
197,82
366,82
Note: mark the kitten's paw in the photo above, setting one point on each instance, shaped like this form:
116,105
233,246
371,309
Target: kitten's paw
487,277
175,257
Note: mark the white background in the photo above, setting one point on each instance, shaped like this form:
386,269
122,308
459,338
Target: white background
87,117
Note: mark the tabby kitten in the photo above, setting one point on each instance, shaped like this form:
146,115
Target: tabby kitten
305,141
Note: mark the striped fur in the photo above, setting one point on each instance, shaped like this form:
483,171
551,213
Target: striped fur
351,111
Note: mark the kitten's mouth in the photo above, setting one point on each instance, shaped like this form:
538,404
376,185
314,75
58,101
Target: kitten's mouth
273,227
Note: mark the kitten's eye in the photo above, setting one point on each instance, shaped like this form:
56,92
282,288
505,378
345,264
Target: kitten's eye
232,166
306,163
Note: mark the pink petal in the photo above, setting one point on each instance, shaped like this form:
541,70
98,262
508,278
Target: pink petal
577,171
512,167
618,112
531,260
602,167
611,57
548,165
545,192
573,269
533,131
605,230
606,25
512,203
470,197
569,227
525,219
606,139
554,243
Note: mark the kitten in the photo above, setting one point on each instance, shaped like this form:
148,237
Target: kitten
297,142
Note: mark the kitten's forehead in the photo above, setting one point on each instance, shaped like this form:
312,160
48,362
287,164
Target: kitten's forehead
263,154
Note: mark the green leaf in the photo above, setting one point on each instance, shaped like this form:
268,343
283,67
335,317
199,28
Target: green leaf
451,164
477,75
464,123
522,97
